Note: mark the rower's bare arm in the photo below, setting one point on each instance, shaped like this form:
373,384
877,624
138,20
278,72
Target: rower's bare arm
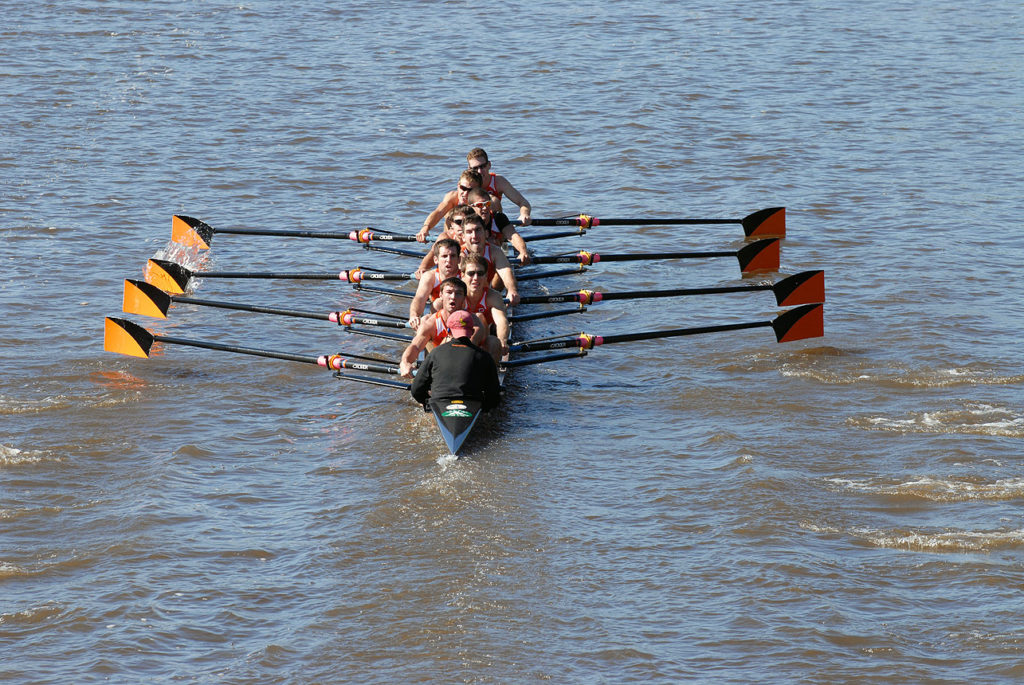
502,184
445,206
419,301
504,269
419,342
518,243
426,264
498,316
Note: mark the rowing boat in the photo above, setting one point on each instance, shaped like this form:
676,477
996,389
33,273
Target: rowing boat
168,282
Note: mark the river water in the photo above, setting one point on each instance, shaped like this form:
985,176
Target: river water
716,508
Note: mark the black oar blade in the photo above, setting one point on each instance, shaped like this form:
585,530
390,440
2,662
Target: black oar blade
456,419
759,257
187,230
807,321
806,287
125,337
168,276
766,223
145,299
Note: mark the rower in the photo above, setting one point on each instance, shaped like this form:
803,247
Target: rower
468,180
458,369
433,330
452,230
446,255
486,303
497,185
500,229
474,241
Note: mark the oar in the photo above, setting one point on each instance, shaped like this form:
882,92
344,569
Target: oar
759,256
126,337
765,223
795,324
146,299
174,278
806,287
187,230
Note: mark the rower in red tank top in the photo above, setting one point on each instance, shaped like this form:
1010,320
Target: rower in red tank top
447,253
497,185
486,304
475,242
500,228
432,330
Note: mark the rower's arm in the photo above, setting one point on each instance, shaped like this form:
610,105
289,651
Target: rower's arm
509,233
445,206
419,342
504,269
502,184
419,301
498,316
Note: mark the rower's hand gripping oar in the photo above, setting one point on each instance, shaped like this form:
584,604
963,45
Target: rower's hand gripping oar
806,287
757,257
766,223
174,278
795,324
126,337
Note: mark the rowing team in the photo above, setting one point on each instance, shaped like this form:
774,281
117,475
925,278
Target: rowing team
466,267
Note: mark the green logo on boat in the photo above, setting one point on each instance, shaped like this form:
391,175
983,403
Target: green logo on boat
456,410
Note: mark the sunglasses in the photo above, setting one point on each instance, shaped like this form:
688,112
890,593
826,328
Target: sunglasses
465,189
479,166
471,274
480,205
456,222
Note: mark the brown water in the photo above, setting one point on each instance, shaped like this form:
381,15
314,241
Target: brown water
717,508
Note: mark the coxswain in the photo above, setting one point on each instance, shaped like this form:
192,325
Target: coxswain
447,253
433,330
486,304
474,241
496,185
468,180
500,229
458,369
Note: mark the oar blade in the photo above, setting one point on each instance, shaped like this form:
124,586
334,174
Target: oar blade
145,299
803,322
766,223
806,287
168,276
759,257
187,230
125,337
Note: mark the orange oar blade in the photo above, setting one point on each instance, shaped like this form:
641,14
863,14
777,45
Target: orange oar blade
807,321
187,230
124,337
759,257
806,287
145,299
167,276
767,223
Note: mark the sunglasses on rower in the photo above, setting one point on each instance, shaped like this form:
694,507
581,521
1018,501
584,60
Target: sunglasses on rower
478,167
478,274
480,205
465,189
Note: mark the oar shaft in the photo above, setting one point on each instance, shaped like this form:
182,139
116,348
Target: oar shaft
286,233
169,340
677,332
677,292
251,308
267,274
